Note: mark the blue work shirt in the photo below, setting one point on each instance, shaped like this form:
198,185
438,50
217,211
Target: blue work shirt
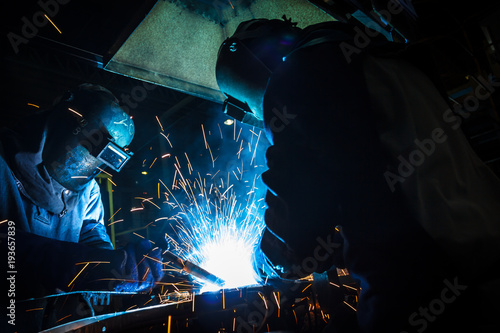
37,203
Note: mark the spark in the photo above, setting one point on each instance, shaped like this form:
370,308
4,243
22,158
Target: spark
136,209
33,105
117,221
153,162
76,112
159,123
323,316
112,182
34,309
255,150
102,170
52,23
166,137
63,318
349,287
114,214
169,324
148,200
306,287
238,135
190,167
263,299
277,302
349,305
217,223
78,274
241,149
145,274
204,136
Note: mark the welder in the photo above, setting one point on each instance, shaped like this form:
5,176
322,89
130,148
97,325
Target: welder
363,143
50,204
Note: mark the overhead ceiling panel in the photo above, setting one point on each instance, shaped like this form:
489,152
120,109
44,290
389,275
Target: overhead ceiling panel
176,44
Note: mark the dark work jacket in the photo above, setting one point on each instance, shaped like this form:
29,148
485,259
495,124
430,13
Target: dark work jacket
338,124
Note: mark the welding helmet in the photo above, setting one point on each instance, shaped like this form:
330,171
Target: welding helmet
246,61
87,131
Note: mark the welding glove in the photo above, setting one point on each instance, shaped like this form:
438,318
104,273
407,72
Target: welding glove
141,268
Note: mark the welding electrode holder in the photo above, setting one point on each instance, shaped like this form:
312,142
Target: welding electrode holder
192,269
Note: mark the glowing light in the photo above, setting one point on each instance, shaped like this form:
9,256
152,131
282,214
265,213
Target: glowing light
228,122
221,236
218,222
229,256
144,173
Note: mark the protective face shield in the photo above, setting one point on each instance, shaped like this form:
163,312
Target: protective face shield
246,61
87,131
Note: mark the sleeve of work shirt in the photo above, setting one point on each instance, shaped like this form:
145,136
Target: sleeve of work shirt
93,231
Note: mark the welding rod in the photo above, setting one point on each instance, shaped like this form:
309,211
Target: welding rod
192,269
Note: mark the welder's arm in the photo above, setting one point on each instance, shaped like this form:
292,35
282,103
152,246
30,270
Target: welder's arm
53,264
93,232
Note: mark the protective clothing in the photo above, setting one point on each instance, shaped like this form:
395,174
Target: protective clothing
38,203
339,121
58,229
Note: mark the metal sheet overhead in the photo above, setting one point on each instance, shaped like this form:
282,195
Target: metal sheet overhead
176,44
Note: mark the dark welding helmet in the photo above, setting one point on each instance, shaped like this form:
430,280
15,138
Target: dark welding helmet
87,131
246,61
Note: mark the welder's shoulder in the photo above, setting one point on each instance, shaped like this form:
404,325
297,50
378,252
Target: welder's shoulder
93,190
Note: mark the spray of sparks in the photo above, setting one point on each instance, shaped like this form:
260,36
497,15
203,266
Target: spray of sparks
218,222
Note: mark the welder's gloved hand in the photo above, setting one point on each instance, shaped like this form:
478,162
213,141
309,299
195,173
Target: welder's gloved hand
141,268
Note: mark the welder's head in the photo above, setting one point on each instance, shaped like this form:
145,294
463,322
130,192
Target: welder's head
87,131
246,61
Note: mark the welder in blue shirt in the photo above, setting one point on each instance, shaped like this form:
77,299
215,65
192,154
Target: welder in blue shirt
363,142
50,203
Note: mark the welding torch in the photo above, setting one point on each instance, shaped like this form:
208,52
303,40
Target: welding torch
192,269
